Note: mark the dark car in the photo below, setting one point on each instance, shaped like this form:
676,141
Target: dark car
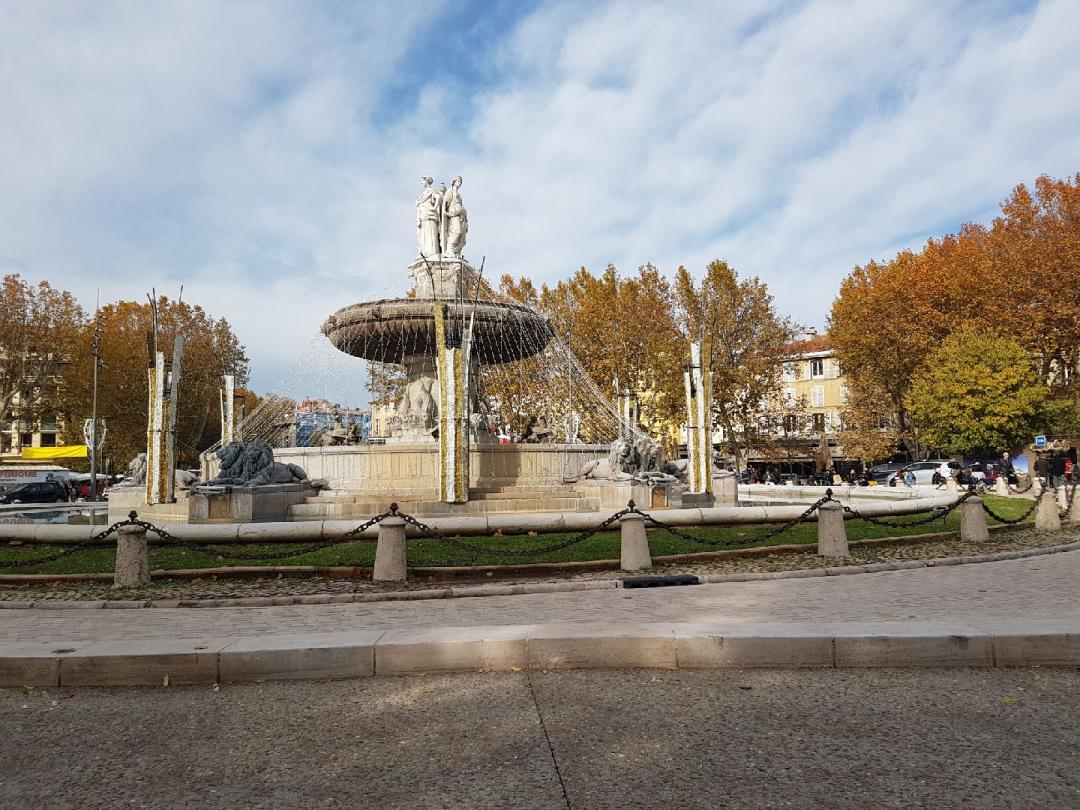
35,492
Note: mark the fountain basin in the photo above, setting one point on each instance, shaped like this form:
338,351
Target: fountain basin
394,329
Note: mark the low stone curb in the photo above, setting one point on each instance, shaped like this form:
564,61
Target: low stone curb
455,592
363,653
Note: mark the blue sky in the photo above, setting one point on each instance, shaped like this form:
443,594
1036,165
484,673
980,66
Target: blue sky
267,155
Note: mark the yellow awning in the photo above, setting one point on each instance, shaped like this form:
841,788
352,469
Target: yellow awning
67,451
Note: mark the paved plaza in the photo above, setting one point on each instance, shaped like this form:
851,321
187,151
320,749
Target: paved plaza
585,739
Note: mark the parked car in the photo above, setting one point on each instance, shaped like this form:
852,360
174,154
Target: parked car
881,473
35,492
924,470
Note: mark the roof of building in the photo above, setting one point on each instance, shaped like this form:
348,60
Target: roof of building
817,343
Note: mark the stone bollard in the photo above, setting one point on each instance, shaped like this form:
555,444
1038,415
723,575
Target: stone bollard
1074,510
390,552
831,534
1062,499
1047,518
973,521
1001,486
1036,487
132,558
634,543
952,486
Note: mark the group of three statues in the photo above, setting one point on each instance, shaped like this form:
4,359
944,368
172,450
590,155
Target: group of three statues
441,220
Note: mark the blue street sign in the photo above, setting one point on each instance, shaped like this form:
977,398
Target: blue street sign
1040,441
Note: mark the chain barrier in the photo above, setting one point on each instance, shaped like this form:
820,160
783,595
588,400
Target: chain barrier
211,551
95,540
454,542
207,550
1010,521
353,535
1017,490
742,541
936,513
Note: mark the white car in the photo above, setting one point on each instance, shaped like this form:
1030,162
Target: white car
924,471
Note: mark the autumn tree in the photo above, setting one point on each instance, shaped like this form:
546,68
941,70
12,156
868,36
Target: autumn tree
623,331
977,393
749,340
212,350
1018,278
40,327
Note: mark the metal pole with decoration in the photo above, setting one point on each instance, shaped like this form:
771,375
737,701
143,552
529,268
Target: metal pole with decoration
452,363
163,385
697,379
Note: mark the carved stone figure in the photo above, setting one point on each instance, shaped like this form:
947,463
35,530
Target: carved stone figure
455,220
634,456
428,219
418,404
135,475
252,464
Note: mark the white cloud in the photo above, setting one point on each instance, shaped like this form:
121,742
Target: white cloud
245,149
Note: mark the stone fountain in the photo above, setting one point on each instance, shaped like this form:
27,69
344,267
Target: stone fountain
442,449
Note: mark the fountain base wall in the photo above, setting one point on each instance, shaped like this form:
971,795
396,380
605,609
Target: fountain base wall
412,469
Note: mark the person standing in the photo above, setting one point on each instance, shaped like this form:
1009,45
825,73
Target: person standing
1057,469
1042,469
1007,468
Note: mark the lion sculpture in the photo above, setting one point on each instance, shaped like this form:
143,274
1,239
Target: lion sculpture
251,464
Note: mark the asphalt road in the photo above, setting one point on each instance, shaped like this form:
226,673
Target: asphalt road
581,739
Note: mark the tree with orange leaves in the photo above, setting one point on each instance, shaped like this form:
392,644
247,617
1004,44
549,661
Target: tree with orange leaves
1018,278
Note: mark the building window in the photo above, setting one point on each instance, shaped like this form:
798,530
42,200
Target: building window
791,423
817,368
789,397
26,439
791,372
48,440
817,396
819,422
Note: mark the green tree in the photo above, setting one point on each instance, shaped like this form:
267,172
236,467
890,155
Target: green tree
977,393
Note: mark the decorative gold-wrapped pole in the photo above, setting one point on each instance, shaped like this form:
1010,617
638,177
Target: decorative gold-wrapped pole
164,391
228,411
453,370
698,382
157,419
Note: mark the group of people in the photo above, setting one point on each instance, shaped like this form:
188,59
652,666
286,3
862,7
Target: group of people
1057,469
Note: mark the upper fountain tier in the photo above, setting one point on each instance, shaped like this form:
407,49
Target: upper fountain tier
395,330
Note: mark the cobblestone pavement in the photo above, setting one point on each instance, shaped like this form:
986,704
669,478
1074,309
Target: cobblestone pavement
1042,587
587,739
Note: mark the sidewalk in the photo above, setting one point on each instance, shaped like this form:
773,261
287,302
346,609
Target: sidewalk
1014,612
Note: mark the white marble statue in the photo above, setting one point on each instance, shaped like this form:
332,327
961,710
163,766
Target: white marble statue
455,220
428,220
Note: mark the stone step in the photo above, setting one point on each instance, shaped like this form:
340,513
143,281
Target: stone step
346,496
316,511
